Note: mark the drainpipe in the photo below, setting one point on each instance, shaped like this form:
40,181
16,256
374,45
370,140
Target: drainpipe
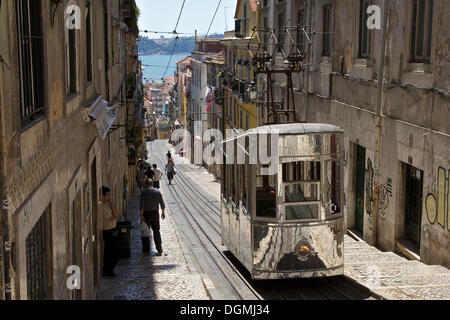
7,285
5,255
377,160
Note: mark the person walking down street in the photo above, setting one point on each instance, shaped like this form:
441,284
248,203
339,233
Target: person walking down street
149,174
110,234
158,174
170,170
151,199
169,155
140,177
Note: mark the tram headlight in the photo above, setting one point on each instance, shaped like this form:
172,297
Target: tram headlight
303,250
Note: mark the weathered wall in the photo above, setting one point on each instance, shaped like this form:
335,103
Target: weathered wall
414,117
54,156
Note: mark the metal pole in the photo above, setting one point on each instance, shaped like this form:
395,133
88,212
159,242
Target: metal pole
377,161
308,62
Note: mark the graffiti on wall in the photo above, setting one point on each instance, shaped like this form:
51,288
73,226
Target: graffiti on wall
369,189
437,201
385,194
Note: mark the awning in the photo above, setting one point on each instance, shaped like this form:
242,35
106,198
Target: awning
104,116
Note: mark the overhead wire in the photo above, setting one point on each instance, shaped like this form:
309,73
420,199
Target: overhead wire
217,9
176,40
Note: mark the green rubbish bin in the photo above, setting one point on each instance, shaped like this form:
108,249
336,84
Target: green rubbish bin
124,240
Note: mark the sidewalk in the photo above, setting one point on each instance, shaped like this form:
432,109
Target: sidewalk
386,274
149,277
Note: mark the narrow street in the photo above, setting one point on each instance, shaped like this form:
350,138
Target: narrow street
312,158
196,266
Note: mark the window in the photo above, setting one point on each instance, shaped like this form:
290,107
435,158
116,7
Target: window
88,44
364,32
72,64
266,201
244,31
300,34
333,187
422,26
280,32
302,190
327,29
39,259
29,29
304,171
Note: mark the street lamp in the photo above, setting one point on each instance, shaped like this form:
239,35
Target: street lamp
253,91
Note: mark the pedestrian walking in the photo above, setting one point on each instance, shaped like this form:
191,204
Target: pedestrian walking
140,177
151,199
149,174
169,155
170,170
110,233
158,174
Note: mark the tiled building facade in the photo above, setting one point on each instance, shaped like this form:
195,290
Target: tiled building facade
63,112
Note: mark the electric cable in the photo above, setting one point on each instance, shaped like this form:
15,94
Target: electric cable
206,36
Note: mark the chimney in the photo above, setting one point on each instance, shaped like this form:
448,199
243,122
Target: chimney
196,40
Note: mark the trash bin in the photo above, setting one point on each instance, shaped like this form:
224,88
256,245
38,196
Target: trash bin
124,235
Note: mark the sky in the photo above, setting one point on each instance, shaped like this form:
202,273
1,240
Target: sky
162,15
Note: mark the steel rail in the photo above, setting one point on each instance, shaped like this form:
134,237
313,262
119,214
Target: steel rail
211,242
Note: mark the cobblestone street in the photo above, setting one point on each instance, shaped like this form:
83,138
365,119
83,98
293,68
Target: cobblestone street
149,277
386,274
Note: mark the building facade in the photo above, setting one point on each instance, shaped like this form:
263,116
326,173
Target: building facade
240,112
198,115
63,113
397,138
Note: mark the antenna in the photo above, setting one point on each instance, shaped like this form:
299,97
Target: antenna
226,20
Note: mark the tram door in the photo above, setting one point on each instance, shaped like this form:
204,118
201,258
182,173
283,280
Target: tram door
359,190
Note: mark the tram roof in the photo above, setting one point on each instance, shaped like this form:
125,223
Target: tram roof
297,128
289,129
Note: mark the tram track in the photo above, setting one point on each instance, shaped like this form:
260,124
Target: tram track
229,272
201,210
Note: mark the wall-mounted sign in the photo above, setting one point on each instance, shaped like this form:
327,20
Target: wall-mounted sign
104,116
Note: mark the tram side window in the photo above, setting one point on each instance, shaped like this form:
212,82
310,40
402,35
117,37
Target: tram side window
302,190
233,183
334,187
302,171
244,185
266,196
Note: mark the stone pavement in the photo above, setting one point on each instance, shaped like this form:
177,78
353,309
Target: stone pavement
386,274
149,277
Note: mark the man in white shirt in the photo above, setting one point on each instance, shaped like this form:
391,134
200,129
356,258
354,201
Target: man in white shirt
109,216
158,174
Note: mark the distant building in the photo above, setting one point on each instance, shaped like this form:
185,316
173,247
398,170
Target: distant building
205,49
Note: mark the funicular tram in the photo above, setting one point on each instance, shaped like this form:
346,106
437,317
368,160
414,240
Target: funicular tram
289,224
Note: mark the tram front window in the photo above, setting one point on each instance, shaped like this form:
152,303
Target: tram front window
266,196
302,190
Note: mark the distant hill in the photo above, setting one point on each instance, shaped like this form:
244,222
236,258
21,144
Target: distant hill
164,46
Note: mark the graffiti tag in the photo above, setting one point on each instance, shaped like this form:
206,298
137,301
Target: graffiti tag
384,196
437,200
